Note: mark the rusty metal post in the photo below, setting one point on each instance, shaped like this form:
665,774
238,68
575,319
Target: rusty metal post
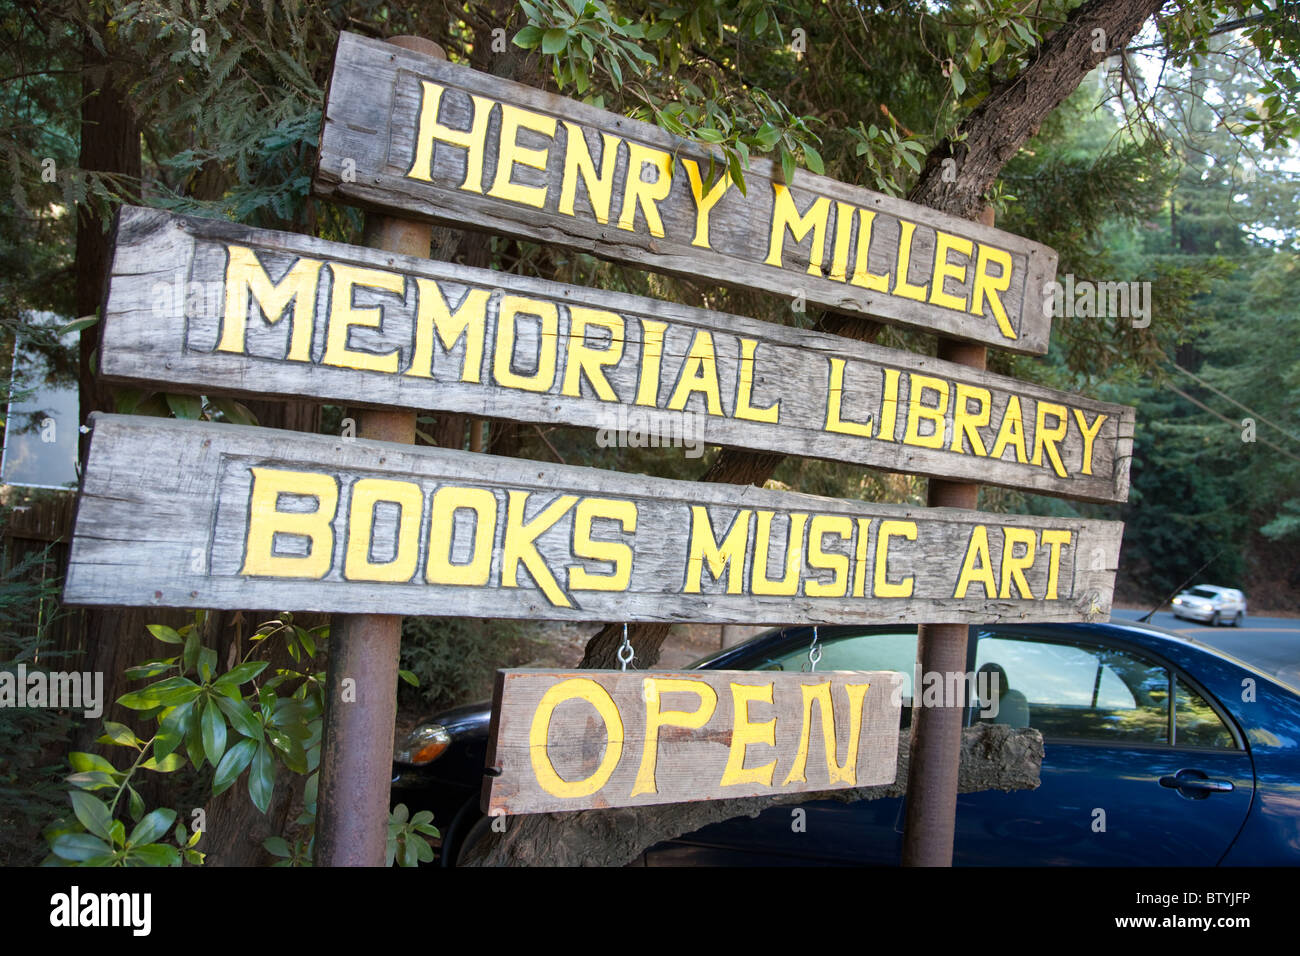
931,819
356,765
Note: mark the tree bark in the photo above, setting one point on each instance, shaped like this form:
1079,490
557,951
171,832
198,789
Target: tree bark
1011,114
994,757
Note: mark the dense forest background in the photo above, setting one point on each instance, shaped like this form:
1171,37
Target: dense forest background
1172,163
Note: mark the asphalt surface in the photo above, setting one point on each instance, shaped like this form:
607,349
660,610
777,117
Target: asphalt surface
1270,643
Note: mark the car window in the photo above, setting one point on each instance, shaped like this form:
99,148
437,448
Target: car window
860,652
1068,690
1195,722
1204,593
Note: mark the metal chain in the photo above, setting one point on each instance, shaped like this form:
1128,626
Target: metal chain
625,652
814,651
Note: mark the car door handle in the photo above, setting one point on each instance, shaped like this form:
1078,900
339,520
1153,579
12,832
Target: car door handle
1197,783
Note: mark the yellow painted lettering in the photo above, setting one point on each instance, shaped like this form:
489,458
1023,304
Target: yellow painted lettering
520,545
429,130
1054,538
434,318
297,288
745,388
583,360
367,493
513,119
344,315
1089,433
645,195
822,560
785,215
503,371
882,587
746,733
862,274
448,500
575,688
1013,567
918,411
652,689
617,553
652,355
944,270
977,566
728,556
704,202
789,582
699,374
578,161
965,423
838,771
990,287
265,521
835,402
1046,438
902,287
1011,432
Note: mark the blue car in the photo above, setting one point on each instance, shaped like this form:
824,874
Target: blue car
1159,750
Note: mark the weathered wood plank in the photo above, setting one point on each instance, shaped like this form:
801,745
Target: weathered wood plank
576,740
438,140
194,514
194,303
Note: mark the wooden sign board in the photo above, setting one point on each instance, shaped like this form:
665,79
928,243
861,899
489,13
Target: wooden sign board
210,306
586,739
421,137
190,514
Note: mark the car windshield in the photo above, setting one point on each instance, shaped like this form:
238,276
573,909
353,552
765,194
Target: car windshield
1203,593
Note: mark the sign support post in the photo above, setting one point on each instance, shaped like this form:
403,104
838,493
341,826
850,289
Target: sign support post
361,679
931,821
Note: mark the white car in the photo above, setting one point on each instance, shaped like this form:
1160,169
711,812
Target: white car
1211,604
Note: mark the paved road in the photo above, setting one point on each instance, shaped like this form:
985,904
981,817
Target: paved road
1270,643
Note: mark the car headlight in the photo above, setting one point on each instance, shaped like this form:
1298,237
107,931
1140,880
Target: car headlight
423,745
1178,600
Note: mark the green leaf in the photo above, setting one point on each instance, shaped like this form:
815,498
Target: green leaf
213,725
135,803
92,780
185,406
528,37
169,764
165,634
261,777
233,411
554,40
241,717
83,762
276,846
787,165
119,734
409,677
241,673
78,847
814,160
151,827
76,325
172,729
165,693
958,82
207,663
93,814
153,854
233,764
